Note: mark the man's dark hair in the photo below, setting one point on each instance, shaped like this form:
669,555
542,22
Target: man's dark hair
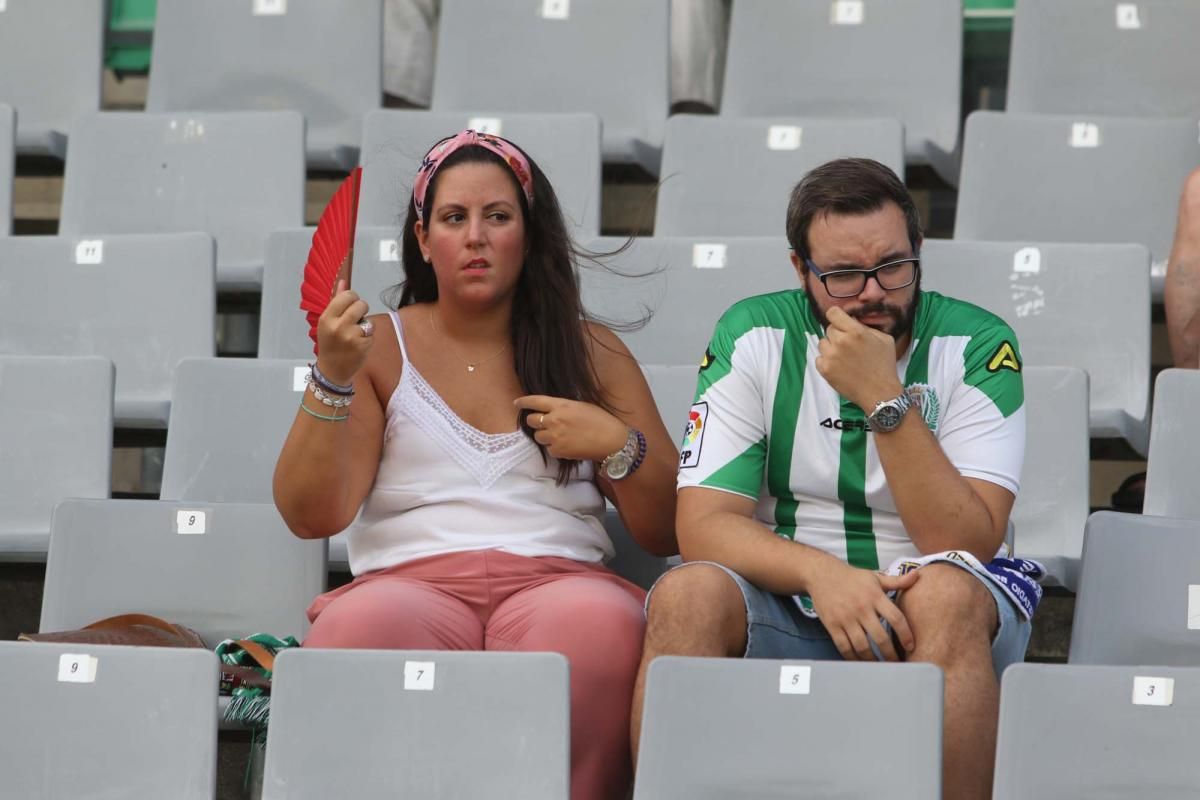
847,186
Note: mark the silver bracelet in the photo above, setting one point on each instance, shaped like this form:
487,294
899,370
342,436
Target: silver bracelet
334,401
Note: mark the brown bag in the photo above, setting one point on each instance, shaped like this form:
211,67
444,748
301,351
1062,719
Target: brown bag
144,630
139,630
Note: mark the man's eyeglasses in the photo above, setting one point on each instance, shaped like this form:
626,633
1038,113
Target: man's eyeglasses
850,282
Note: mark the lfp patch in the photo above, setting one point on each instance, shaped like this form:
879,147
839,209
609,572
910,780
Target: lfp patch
693,436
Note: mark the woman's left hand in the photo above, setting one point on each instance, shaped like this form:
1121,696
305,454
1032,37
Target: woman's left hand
571,429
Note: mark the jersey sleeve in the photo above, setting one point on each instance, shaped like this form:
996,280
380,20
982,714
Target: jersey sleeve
725,443
983,432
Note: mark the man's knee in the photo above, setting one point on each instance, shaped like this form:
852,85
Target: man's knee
697,606
948,602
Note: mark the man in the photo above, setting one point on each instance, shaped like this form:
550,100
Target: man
856,424
1181,295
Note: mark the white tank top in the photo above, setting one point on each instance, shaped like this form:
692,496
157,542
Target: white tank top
445,486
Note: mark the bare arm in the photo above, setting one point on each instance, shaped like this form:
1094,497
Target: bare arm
940,509
719,526
646,499
1181,293
326,468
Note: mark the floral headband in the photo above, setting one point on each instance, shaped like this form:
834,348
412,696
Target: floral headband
440,151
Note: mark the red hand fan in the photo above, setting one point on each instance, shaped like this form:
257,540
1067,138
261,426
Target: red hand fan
331,257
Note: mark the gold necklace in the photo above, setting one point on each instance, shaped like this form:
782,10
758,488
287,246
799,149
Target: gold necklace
471,365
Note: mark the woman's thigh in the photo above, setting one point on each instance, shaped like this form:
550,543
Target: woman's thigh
584,616
396,614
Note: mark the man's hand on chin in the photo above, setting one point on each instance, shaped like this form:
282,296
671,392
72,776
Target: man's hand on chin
858,361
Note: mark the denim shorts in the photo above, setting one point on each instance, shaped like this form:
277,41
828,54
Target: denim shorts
776,628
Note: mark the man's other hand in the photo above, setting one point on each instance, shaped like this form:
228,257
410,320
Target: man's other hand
851,601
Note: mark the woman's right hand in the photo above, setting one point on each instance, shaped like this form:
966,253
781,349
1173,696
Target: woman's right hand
341,341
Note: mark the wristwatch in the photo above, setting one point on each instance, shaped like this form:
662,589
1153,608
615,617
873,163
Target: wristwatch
888,414
622,463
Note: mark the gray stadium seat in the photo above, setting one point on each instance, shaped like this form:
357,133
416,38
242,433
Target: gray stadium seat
565,146
674,389
1125,59
51,61
1070,305
1052,507
283,327
236,175
1075,178
729,727
1174,459
321,59
686,284
57,441
401,723
608,57
219,457
8,134
744,191
226,570
629,560
1139,592
1089,732
865,58
144,302
128,722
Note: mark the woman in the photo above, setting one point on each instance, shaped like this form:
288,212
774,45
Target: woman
487,419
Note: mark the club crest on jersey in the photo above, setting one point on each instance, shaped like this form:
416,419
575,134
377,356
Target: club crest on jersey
925,398
693,436
1005,357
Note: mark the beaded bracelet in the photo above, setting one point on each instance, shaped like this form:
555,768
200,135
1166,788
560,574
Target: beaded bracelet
641,454
328,385
336,401
330,418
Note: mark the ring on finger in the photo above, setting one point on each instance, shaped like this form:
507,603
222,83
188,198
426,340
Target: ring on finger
367,327
542,421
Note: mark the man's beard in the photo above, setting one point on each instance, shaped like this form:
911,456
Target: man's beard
902,318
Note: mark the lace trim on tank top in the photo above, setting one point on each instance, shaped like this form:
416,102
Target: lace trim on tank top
486,456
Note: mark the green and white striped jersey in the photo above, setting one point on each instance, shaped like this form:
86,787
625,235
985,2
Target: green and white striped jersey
767,426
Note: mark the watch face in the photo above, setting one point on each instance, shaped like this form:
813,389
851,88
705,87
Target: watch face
617,467
886,418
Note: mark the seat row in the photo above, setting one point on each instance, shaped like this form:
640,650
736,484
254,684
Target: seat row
229,418
146,302
226,569
239,176
838,58
326,63
141,722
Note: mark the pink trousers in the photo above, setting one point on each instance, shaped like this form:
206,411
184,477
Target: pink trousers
492,600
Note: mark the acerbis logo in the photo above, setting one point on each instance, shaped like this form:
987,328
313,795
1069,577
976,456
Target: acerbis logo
845,424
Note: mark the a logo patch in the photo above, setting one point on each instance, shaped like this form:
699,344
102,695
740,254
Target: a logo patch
925,398
1005,357
708,359
693,436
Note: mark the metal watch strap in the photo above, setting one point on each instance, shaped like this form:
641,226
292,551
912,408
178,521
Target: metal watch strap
629,449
